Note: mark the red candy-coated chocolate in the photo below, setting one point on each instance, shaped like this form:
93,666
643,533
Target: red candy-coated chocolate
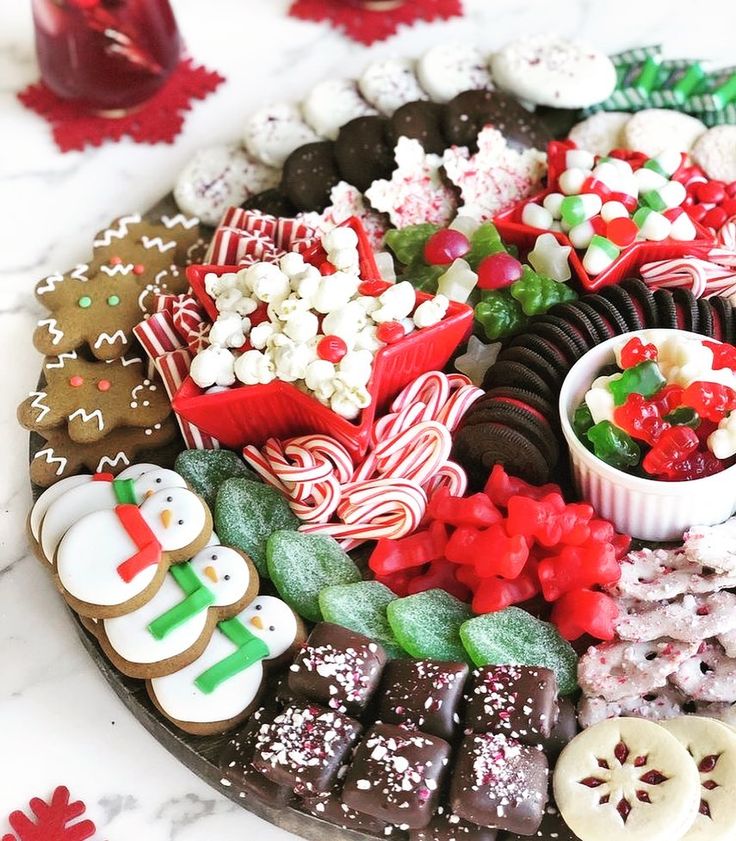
373,288
716,217
635,351
331,348
390,332
697,212
709,192
711,401
585,611
445,246
674,445
497,271
622,231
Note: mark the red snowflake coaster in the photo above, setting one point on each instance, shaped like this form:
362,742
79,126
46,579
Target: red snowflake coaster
159,120
368,25
54,821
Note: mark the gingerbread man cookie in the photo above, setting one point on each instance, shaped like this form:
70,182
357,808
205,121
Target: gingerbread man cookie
91,399
98,304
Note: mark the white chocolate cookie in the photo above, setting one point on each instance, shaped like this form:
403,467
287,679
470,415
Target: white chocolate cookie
600,132
446,70
332,103
273,132
389,84
715,151
657,130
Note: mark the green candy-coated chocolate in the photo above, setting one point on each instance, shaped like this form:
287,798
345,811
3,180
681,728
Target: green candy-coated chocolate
247,514
361,607
302,565
427,625
515,637
205,470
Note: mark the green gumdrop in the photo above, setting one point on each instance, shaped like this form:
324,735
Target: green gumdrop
361,607
247,514
427,625
205,470
613,445
302,565
515,637
484,241
407,243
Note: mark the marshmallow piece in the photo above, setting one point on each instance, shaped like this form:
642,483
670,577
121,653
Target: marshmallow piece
260,334
229,330
553,203
339,238
582,234
722,442
610,175
213,366
668,162
670,195
268,282
613,210
600,255
536,216
346,322
301,326
334,291
429,313
397,302
292,264
571,180
255,368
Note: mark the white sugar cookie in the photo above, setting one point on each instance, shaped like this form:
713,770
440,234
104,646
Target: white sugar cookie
332,103
657,130
715,151
600,132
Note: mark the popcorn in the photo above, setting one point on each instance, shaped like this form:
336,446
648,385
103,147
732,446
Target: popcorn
213,366
355,368
268,282
396,302
345,259
348,401
260,334
301,326
217,284
368,340
254,368
229,330
334,291
306,283
346,322
292,264
320,379
281,310
340,238
431,312
291,360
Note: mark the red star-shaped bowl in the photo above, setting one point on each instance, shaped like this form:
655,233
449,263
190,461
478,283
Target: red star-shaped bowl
250,414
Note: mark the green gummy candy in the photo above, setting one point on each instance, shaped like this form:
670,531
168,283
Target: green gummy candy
361,607
484,241
515,637
407,243
247,514
427,625
423,277
302,565
205,470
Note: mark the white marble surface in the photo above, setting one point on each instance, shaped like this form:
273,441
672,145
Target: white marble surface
59,722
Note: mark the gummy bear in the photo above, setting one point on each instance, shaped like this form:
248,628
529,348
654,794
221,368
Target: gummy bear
500,487
700,464
724,356
582,420
537,293
668,399
673,447
495,593
585,611
683,416
635,351
644,378
578,566
613,445
640,418
710,400
416,550
476,510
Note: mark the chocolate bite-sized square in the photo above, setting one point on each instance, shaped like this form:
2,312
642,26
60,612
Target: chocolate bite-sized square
552,828
238,771
518,701
396,775
500,783
446,826
424,694
338,668
304,748
564,730
330,807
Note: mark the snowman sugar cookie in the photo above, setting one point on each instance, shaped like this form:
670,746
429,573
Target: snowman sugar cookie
173,628
222,686
113,561
100,492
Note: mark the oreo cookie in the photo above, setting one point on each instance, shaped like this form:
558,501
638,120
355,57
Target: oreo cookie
363,151
310,173
422,121
643,298
591,334
514,373
274,202
534,362
621,299
542,348
519,396
607,311
687,309
666,310
602,327
706,320
469,112
723,322
478,448
575,336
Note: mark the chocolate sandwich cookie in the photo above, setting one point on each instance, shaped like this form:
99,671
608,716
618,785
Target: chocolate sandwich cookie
593,330
621,299
687,309
607,311
706,320
310,173
363,151
422,121
601,325
551,374
556,337
478,448
274,202
471,111
723,322
575,336
643,299
514,373
544,349
666,309
519,397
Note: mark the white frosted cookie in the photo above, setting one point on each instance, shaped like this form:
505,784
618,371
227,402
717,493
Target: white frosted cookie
332,103
219,177
600,132
712,745
273,132
715,151
657,130
389,84
627,779
446,70
548,70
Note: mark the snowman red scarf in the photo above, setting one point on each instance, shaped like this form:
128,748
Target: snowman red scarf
149,549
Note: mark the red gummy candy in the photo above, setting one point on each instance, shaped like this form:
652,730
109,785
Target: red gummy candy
724,356
477,510
494,594
712,401
440,576
674,446
500,487
549,520
700,464
418,549
585,611
640,418
667,399
491,551
397,582
635,351
578,566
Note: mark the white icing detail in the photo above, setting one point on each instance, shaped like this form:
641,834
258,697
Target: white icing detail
106,461
49,283
61,359
50,324
49,457
50,495
125,361
158,244
187,222
86,417
119,268
118,232
110,339
37,404
80,273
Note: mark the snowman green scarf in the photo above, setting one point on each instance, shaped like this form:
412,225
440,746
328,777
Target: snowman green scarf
250,649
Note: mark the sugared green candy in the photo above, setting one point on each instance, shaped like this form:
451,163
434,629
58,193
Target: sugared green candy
645,379
247,514
361,607
613,445
537,293
205,470
408,243
302,565
427,625
515,637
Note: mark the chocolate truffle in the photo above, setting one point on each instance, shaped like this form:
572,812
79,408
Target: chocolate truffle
273,202
364,152
396,776
305,747
331,808
424,694
420,121
310,173
500,783
564,730
552,828
448,827
519,701
338,668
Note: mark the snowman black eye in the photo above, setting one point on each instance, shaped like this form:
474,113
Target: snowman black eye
169,498
258,607
271,627
158,481
226,577
180,522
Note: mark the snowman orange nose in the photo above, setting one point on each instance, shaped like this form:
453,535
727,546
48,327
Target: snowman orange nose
147,494
211,573
257,622
166,516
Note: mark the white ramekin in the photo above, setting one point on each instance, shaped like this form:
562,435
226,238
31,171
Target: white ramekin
644,508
